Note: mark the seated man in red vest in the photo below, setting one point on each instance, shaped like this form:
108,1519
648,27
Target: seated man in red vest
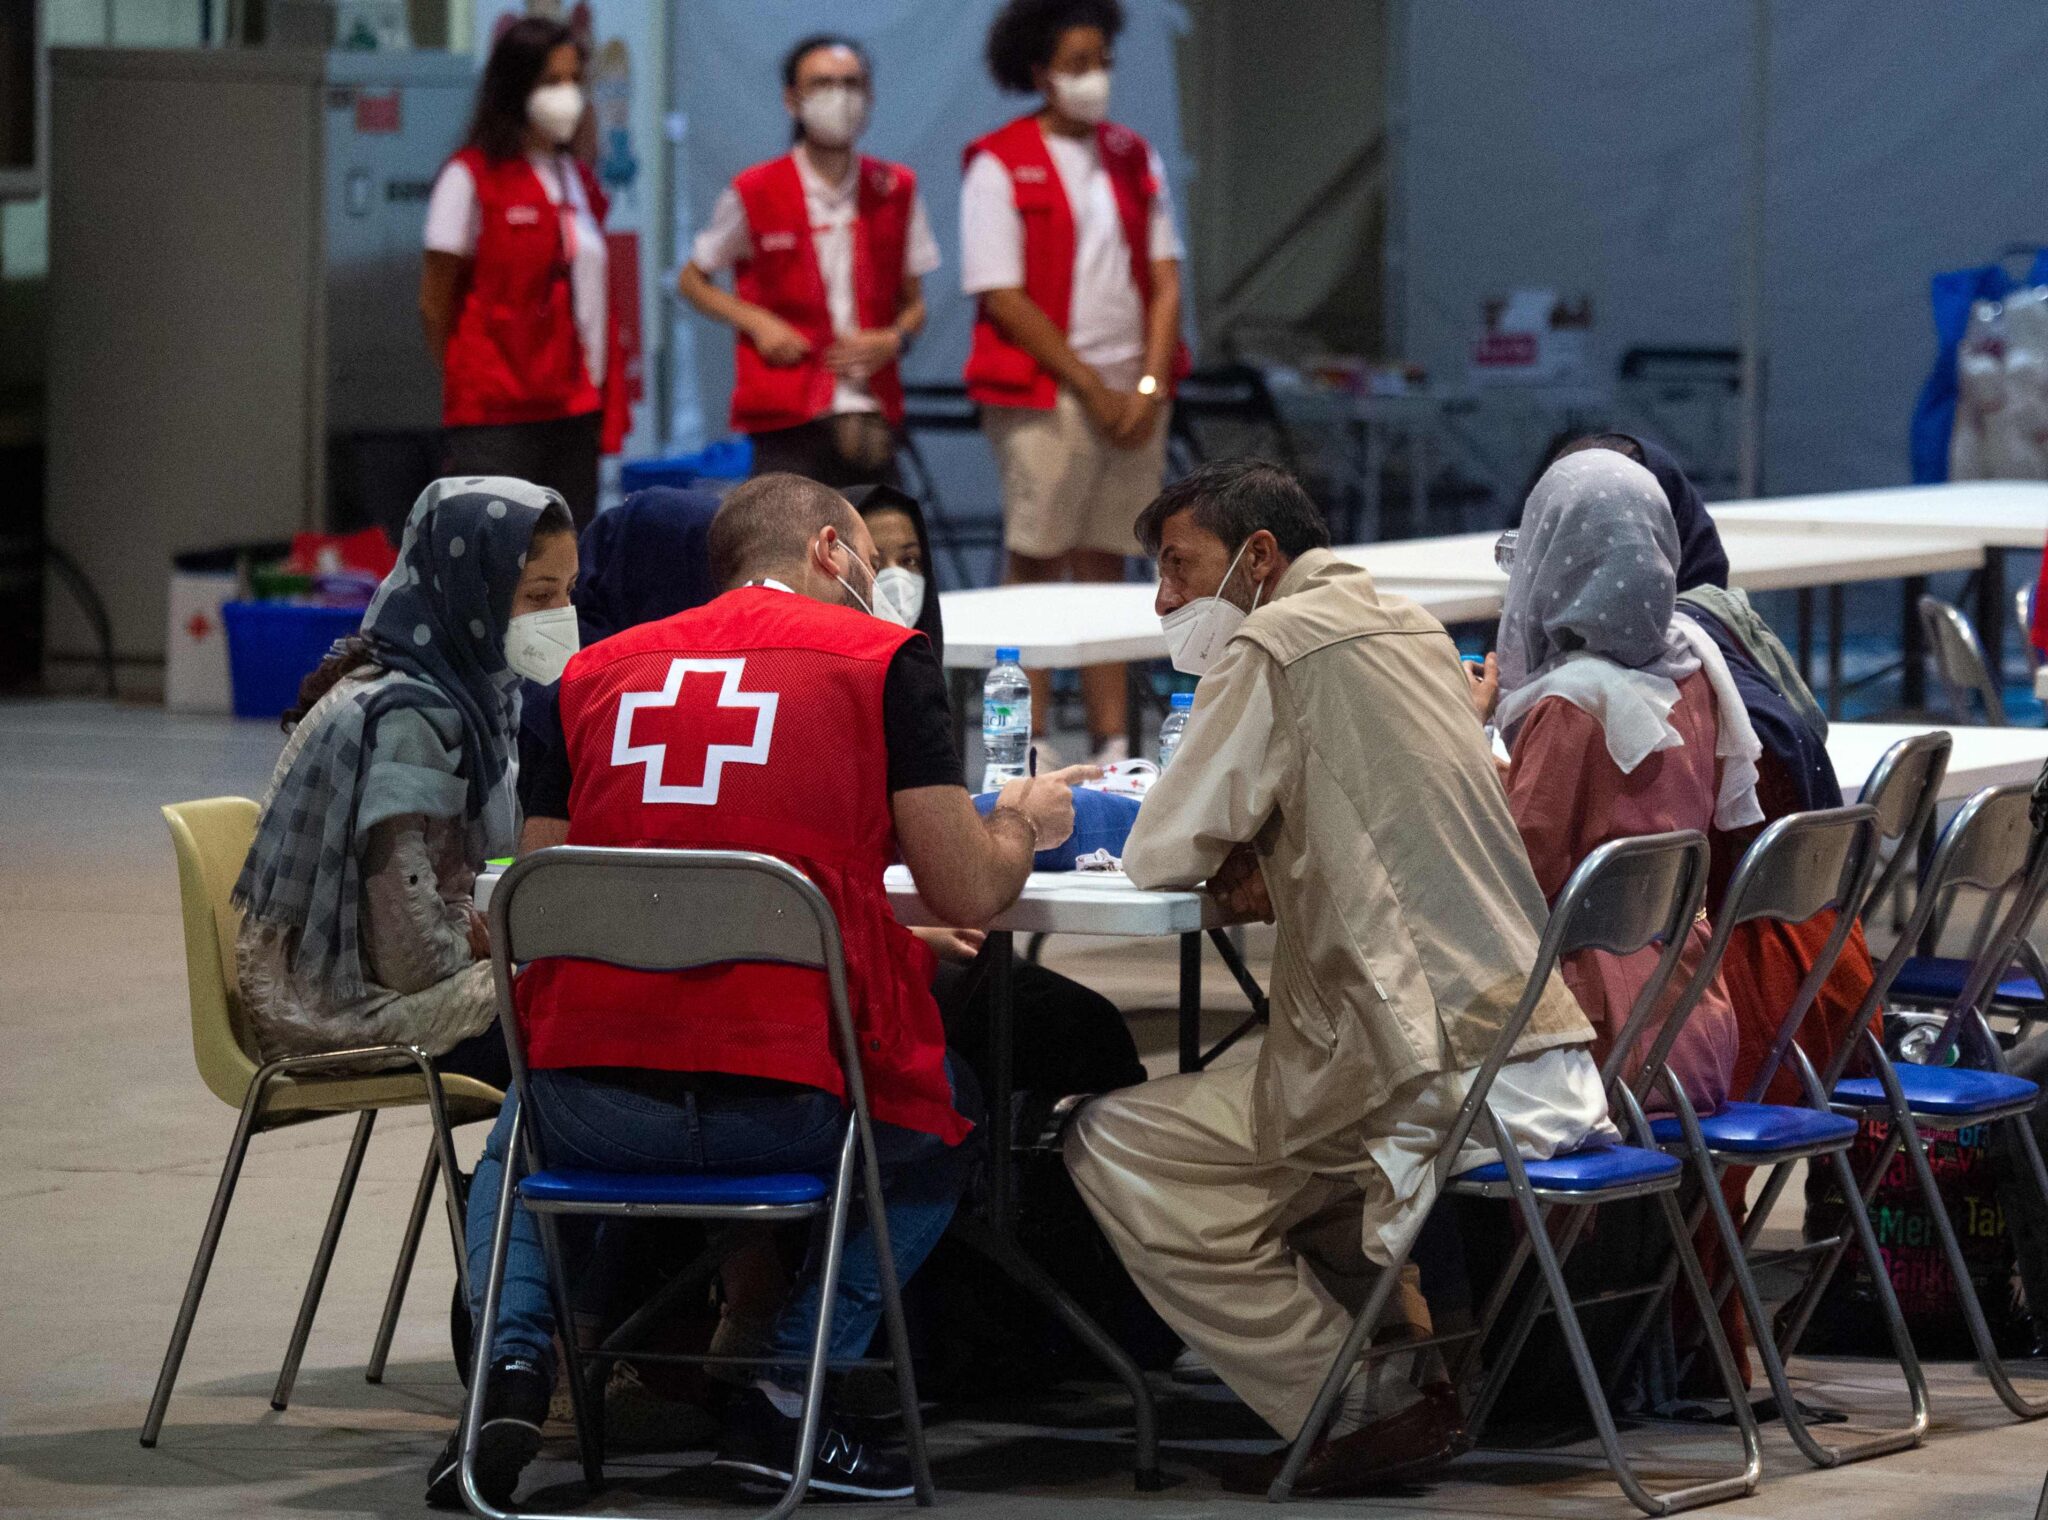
828,249
779,717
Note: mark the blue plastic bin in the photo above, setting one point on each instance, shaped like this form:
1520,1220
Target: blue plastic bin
727,459
273,646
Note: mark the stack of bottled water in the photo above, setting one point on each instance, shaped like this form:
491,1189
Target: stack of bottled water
1174,725
1005,722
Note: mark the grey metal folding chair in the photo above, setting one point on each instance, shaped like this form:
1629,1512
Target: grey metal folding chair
1991,845
1625,896
675,910
1904,787
1797,868
1959,662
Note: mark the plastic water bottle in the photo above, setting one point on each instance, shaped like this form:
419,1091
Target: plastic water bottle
1005,722
1174,724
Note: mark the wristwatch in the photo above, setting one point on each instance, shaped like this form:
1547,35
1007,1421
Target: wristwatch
1148,385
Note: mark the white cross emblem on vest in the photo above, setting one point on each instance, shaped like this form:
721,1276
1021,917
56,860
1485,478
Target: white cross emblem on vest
652,757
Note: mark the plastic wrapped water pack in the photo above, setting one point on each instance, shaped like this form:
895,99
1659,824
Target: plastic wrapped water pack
2001,426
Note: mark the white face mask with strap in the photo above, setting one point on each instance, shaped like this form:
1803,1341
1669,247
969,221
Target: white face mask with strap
538,644
1196,631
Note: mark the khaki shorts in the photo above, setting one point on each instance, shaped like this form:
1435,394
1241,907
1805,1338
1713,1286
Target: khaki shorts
1064,486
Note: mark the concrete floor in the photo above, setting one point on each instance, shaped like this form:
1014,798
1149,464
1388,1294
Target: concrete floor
110,1148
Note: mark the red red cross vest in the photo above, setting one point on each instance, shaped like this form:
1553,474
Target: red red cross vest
999,373
753,723
515,355
782,274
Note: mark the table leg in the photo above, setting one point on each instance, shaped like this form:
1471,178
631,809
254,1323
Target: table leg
1993,612
1912,644
1804,637
1000,1248
1001,971
995,1237
1835,619
1191,1001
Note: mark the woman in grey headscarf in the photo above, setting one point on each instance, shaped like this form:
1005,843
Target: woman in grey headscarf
397,784
1622,720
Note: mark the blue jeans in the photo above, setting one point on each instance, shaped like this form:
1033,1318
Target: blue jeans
592,1124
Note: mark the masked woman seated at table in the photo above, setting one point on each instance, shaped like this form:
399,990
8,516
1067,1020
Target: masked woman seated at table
395,787
1766,962
645,559
1622,720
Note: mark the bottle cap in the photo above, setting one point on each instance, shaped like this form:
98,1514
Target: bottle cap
1183,701
1006,656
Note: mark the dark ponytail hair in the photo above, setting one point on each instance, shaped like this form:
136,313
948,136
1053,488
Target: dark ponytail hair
359,652
520,56
346,657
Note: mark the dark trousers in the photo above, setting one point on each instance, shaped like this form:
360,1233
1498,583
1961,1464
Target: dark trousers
560,454
813,451
2026,1214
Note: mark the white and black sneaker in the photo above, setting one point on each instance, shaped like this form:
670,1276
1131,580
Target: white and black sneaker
760,1441
515,1408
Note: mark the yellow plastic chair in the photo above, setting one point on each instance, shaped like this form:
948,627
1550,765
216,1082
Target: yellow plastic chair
212,839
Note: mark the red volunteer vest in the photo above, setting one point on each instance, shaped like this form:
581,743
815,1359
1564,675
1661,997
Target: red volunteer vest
999,373
751,723
782,274
514,355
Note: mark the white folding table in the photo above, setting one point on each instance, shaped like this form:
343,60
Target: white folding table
1980,757
2000,516
1067,625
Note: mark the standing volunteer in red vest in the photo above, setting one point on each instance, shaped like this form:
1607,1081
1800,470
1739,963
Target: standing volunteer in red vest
779,717
829,249
513,290
1067,239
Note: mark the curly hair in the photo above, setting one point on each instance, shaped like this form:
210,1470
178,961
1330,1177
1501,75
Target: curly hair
1026,33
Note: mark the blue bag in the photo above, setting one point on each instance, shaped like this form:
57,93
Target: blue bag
1934,415
1102,821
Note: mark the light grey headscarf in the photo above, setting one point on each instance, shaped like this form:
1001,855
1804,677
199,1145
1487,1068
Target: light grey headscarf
1591,616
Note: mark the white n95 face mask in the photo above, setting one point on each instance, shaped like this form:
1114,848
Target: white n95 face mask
538,644
1085,97
899,596
1196,631
554,110
833,115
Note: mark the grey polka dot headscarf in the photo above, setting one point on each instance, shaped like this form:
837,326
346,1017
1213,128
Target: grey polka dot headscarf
1595,573
439,622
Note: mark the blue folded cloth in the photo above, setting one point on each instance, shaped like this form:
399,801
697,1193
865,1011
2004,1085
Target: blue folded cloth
1102,821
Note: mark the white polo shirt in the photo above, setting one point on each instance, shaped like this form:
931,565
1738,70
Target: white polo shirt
454,219
729,239
1106,323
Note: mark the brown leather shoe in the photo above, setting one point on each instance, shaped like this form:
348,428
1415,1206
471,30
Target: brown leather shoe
1402,1446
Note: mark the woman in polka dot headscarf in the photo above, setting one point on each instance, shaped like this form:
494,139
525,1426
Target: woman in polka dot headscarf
394,788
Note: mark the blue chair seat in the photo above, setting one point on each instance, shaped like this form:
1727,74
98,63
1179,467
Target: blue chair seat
1762,1128
1943,1092
1593,1170
1940,978
567,1187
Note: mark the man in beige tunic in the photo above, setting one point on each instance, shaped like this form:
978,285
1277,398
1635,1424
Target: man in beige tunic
1334,780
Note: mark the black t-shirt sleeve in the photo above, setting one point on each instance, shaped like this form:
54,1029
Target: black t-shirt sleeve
917,720
543,755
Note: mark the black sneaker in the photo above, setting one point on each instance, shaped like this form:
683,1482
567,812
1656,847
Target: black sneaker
760,1441
515,1408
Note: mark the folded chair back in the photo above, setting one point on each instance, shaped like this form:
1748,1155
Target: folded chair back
1905,787
1623,897
1986,846
1801,865
666,910
1959,661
